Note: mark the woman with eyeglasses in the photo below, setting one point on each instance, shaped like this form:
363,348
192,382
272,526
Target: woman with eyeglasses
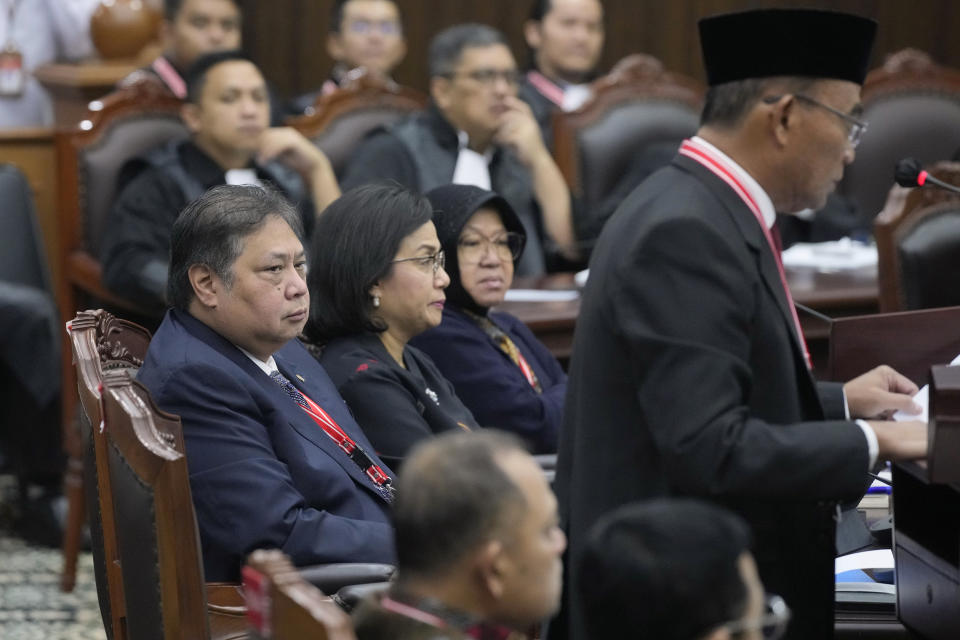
376,280
507,378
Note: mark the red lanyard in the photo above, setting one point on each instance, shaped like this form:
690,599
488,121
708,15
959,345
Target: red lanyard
170,77
345,442
527,371
706,157
549,89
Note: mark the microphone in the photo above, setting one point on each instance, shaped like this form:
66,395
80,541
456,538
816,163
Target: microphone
909,173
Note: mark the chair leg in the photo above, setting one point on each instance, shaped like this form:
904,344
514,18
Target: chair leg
76,507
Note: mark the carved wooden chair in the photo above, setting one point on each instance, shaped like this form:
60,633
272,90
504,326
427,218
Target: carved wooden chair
340,120
637,109
90,155
100,342
291,608
158,546
912,106
918,245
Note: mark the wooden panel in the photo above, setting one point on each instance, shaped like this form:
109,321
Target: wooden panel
287,37
33,152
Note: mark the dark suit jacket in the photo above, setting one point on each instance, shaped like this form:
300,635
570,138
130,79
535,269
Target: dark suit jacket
490,384
262,473
395,407
687,378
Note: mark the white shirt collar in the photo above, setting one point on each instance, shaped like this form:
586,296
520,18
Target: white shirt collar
752,186
267,367
472,167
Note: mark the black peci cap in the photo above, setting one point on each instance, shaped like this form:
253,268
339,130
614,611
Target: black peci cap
786,42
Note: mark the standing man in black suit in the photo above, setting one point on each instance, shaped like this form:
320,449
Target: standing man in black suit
689,373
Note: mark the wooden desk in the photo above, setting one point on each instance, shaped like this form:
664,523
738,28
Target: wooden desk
833,294
74,85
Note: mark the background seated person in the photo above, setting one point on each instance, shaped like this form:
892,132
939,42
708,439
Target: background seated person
377,279
264,472
232,143
674,570
478,546
504,375
190,29
476,131
365,34
565,38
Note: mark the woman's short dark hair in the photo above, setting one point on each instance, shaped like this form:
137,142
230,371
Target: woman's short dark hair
211,231
354,243
679,558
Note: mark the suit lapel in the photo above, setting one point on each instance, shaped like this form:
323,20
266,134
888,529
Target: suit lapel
753,236
319,388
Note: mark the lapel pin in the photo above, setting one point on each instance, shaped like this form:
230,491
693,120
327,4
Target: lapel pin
300,378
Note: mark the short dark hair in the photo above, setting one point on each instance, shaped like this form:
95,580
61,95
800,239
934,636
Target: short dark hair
211,231
452,496
196,75
172,7
539,9
678,558
354,243
336,14
726,104
446,48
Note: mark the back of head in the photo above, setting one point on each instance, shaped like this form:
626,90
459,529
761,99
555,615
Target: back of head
196,75
452,496
664,569
353,246
211,231
447,47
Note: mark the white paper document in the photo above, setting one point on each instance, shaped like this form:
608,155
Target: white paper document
541,295
922,398
838,255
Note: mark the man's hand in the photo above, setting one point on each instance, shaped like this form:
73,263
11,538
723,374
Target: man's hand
900,440
879,393
287,145
520,132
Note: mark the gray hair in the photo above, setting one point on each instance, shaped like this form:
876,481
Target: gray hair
211,231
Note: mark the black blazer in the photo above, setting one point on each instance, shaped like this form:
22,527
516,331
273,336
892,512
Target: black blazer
687,378
395,407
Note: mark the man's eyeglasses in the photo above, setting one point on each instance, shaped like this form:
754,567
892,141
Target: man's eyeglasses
772,624
425,263
507,246
385,27
856,128
489,77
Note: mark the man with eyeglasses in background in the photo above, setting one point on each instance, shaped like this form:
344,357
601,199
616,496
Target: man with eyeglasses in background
690,375
675,569
476,131
364,35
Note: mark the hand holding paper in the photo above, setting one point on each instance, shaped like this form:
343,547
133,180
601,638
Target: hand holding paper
879,393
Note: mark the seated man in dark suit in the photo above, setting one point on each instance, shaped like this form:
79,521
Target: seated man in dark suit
232,142
565,38
364,34
478,544
476,131
191,29
674,569
276,459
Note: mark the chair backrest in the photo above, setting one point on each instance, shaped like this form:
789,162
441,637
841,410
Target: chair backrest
283,606
635,106
912,106
156,529
100,342
22,257
918,245
340,120
119,127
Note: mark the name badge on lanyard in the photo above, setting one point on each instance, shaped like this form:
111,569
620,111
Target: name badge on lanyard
13,77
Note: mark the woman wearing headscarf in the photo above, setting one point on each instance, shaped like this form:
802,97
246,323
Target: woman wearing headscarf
501,372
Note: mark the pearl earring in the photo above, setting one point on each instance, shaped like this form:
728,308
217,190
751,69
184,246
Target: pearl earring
376,302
